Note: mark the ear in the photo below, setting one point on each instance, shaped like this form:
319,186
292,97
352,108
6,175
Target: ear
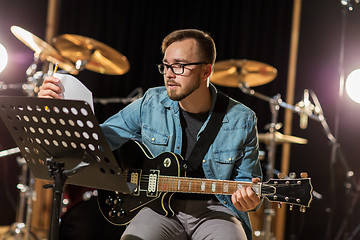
207,72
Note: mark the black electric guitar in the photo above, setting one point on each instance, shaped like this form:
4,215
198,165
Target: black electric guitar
157,179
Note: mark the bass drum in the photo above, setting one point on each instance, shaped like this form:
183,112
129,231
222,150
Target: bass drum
81,217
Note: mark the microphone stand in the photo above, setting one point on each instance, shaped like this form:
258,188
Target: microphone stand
275,104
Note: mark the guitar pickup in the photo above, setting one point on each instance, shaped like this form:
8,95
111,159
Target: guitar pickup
153,183
135,175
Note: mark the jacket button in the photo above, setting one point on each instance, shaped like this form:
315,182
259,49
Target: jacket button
204,161
153,139
230,159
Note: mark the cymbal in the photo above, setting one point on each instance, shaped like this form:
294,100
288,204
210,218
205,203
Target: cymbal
280,138
230,73
42,49
92,54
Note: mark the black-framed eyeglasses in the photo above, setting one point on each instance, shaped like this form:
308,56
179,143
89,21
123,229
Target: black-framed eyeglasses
176,68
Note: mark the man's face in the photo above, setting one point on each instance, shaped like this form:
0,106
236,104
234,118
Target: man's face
180,86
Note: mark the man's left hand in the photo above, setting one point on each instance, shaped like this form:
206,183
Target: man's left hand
245,199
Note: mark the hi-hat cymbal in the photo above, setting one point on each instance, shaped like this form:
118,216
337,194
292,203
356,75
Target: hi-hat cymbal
92,54
230,73
280,138
42,49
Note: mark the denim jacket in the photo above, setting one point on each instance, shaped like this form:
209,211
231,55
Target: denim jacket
154,120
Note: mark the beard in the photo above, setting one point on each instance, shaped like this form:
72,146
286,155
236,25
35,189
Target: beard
180,92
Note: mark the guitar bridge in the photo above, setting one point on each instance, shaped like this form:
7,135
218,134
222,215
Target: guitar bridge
153,183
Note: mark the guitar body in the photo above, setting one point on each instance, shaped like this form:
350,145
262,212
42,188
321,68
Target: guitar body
120,208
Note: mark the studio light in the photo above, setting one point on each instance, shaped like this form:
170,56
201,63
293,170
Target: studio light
3,57
352,85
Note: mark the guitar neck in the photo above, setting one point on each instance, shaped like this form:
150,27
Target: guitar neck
203,186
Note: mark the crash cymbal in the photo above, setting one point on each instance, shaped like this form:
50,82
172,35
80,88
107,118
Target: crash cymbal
230,73
91,54
42,49
280,138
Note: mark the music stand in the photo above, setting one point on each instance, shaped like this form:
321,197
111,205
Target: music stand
61,140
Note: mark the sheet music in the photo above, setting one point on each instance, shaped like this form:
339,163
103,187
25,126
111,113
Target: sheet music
73,89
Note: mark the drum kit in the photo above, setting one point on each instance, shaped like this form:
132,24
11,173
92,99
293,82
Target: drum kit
74,53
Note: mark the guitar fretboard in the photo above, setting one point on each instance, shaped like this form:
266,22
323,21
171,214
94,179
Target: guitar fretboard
203,186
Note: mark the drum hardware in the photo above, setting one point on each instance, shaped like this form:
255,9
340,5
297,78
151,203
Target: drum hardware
10,151
43,50
4,86
20,229
280,138
91,54
135,94
85,53
230,73
244,74
273,137
73,49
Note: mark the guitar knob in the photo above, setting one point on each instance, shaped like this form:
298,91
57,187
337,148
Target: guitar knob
304,175
118,200
302,209
279,205
292,175
109,201
291,207
121,213
112,213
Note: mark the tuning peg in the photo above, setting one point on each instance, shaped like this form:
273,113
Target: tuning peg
291,207
292,175
281,175
302,209
304,175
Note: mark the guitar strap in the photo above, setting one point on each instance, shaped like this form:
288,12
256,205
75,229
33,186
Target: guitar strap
209,134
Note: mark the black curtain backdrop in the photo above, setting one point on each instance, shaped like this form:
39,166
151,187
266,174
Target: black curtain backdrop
257,30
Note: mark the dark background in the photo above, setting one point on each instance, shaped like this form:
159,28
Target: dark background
256,30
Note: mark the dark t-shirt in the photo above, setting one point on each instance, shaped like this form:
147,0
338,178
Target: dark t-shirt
191,124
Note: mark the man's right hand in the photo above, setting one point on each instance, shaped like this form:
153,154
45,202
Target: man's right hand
50,88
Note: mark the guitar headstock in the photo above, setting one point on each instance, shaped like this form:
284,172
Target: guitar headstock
290,190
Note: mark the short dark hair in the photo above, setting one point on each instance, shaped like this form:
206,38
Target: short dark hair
206,43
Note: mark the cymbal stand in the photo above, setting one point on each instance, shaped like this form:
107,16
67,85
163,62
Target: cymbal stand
20,229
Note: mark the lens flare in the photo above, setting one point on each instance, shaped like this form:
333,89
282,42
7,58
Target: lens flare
352,85
3,57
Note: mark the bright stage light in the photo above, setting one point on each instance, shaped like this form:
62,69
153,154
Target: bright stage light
352,85
3,57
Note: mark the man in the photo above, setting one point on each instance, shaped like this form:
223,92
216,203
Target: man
172,118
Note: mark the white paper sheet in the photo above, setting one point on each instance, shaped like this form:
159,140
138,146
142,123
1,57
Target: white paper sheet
73,89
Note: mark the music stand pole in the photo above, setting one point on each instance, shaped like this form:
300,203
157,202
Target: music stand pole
56,171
